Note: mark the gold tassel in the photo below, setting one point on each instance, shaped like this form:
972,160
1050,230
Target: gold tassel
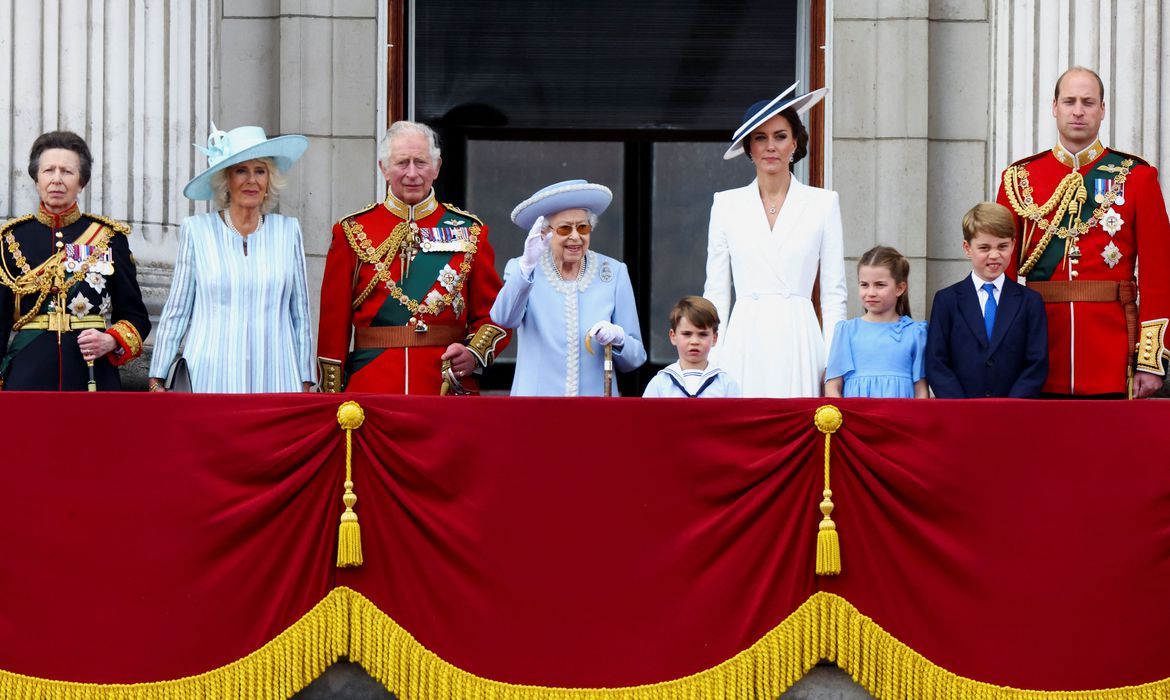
828,420
349,534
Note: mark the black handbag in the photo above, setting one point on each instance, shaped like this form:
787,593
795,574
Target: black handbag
178,377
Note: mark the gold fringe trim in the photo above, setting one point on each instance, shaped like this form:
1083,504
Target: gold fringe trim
347,624
275,671
826,627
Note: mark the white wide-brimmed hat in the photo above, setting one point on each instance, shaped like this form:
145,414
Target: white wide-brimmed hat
764,110
244,143
570,194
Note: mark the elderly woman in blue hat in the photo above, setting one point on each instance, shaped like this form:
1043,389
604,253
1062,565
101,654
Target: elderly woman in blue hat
559,294
771,239
238,310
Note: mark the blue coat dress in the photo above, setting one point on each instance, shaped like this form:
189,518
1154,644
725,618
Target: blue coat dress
551,317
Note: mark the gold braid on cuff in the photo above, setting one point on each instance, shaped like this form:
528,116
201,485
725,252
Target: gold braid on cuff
1151,347
329,371
483,343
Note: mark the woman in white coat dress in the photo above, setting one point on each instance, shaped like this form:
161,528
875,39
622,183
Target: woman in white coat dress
770,239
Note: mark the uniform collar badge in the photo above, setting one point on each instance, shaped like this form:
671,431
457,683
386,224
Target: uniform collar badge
408,212
1079,160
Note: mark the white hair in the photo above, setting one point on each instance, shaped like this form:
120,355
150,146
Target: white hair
592,216
222,196
401,127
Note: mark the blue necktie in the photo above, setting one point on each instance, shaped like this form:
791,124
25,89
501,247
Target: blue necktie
989,309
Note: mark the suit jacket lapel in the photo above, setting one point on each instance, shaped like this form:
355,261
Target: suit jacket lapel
1005,315
795,203
972,313
771,243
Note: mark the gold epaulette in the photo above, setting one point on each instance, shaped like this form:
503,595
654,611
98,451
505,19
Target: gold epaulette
1138,160
1151,347
359,212
1029,159
114,224
457,210
13,222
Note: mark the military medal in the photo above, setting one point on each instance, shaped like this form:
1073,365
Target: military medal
1074,250
1111,255
457,305
1111,222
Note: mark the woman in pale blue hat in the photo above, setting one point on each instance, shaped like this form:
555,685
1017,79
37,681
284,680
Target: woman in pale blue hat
771,239
238,310
565,300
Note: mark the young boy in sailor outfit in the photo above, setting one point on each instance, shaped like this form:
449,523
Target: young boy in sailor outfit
694,330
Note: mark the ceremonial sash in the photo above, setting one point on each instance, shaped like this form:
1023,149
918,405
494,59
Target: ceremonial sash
1096,181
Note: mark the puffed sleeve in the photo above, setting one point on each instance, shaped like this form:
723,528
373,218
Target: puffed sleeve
176,313
918,360
840,353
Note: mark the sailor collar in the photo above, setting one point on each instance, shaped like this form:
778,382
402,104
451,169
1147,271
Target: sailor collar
410,212
57,221
1076,161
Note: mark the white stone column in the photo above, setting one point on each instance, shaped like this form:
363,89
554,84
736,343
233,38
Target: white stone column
881,92
960,118
134,80
1126,41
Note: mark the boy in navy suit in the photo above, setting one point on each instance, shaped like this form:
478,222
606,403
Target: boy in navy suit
988,335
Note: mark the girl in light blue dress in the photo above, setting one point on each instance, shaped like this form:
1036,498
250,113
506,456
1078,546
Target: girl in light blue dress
879,354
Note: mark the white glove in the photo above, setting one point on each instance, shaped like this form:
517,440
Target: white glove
608,333
534,247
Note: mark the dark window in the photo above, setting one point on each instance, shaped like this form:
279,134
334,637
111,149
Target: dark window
640,96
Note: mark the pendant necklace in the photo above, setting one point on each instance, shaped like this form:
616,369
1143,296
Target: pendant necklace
227,219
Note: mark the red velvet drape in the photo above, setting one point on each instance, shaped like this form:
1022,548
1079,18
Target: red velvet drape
584,542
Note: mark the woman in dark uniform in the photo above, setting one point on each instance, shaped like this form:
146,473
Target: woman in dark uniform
71,311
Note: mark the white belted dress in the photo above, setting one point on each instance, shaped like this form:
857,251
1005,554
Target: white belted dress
770,342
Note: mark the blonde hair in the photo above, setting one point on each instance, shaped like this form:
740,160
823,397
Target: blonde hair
991,218
276,183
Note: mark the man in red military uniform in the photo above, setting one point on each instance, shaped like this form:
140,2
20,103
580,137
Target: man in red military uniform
1085,215
411,281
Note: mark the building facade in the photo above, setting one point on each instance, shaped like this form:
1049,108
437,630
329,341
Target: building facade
930,100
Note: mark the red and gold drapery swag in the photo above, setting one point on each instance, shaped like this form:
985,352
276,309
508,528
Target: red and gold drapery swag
186,546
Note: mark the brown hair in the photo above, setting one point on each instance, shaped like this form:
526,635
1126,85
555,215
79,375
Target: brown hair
1078,69
697,310
60,139
991,218
899,268
798,132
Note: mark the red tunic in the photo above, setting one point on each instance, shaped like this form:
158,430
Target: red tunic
1088,344
470,292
